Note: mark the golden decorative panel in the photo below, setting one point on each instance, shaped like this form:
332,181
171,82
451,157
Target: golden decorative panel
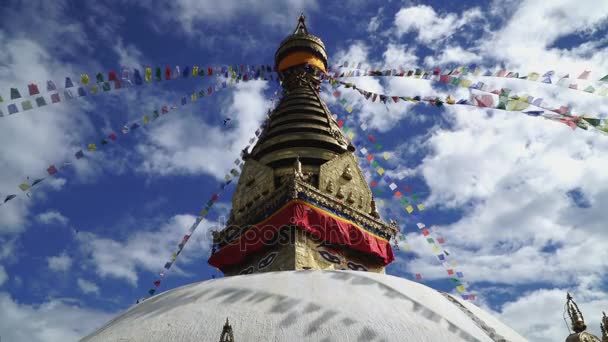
255,184
342,178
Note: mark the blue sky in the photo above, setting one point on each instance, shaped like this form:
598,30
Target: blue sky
518,199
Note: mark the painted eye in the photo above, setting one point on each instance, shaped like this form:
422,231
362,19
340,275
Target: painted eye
248,270
356,267
267,260
329,257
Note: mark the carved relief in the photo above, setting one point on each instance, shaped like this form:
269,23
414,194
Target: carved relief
344,174
255,182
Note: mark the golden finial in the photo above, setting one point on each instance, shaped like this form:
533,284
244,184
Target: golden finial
576,317
301,28
604,327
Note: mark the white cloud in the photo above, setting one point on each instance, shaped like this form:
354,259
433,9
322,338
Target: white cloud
397,55
87,287
52,217
175,147
51,321
452,54
430,25
61,263
146,250
3,275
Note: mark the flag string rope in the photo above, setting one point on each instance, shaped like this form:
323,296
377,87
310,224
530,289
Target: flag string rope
513,103
53,169
129,79
429,234
205,211
545,78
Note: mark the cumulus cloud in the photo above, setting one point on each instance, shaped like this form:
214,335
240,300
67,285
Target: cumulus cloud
61,263
51,321
430,25
52,217
87,287
146,249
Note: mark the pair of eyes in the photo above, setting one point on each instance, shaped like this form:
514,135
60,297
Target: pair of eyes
263,263
336,260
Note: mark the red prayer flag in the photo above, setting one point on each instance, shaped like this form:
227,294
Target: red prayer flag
52,170
112,76
167,72
373,184
33,89
215,197
398,194
425,232
370,157
418,276
372,138
407,188
440,241
186,238
340,123
210,71
450,272
471,297
444,78
336,93
157,283
112,136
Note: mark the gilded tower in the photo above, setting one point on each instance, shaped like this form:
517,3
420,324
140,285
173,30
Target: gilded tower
302,201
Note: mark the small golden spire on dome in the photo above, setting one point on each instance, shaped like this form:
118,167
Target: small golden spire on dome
576,317
301,28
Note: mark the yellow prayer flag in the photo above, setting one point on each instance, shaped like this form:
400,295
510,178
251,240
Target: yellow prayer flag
435,249
146,119
204,212
603,91
465,83
454,263
533,76
420,207
516,105
84,79
382,202
24,186
450,100
148,74
193,97
386,155
173,257
409,209
194,71
349,109
460,288
406,247
380,171
351,135
92,147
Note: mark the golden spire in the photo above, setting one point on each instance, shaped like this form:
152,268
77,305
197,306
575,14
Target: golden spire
604,327
227,335
576,317
301,28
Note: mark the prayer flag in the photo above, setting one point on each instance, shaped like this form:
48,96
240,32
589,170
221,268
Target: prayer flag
12,109
33,89
51,170
40,101
79,154
9,197
373,183
430,240
50,86
380,171
420,225
68,82
418,276
26,105
460,288
112,136
146,119
425,232
99,77
420,207
92,147
398,194
24,186
441,257
15,94
440,240
167,72
409,209
393,186
386,155
151,292
584,75
459,274
450,271
157,283
168,265
81,92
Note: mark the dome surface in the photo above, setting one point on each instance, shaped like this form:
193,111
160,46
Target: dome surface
306,306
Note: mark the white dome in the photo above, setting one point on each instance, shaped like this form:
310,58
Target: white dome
305,306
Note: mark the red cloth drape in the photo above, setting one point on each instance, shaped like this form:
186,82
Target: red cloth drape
321,224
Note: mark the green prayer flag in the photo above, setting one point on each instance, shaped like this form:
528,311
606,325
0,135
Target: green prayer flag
378,146
99,77
375,164
604,79
592,121
404,201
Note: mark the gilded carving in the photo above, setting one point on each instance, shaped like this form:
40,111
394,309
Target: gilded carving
256,180
344,173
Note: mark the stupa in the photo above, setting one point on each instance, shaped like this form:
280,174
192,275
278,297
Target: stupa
305,250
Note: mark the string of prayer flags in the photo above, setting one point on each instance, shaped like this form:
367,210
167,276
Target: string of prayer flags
474,70
513,103
441,253
53,169
129,77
